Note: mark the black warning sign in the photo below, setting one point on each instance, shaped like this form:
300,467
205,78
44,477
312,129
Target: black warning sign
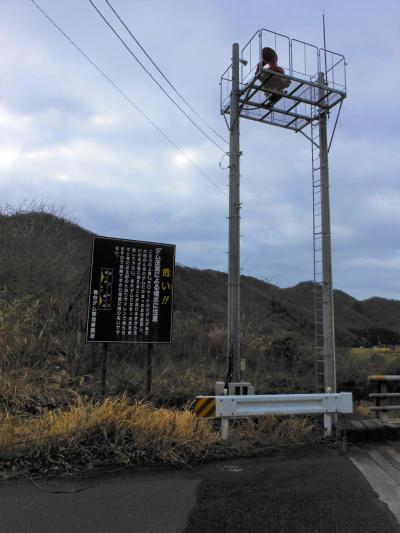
131,291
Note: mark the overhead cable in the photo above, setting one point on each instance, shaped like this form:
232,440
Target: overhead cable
152,77
127,98
162,73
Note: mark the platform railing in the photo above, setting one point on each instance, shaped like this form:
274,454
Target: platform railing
281,44
225,88
250,58
298,58
333,65
304,60
382,382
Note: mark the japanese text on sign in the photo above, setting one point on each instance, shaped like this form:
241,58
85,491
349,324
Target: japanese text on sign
131,291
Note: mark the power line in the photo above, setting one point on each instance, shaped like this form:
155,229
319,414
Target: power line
162,73
153,78
127,98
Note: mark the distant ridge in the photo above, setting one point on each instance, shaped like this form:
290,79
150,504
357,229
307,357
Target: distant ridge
48,256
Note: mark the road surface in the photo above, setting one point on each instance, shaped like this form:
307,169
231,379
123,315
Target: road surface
298,490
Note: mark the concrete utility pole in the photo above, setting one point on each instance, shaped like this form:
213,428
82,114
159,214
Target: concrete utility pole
327,287
234,224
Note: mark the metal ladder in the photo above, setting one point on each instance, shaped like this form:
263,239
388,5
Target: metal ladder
317,253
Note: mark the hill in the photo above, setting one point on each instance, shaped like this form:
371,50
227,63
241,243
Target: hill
48,257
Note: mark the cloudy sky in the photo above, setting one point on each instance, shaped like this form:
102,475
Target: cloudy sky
69,139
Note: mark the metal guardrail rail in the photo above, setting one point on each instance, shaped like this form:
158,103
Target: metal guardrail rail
382,381
233,407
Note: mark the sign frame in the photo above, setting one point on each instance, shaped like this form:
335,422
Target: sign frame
172,251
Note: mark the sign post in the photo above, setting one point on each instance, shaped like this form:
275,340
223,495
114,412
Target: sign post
104,368
130,296
149,370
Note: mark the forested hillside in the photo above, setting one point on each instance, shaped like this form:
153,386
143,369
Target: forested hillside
48,257
44,279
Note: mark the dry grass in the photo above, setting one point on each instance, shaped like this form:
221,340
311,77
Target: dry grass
15,391
118,432
279,430
26,391
112,432
362,410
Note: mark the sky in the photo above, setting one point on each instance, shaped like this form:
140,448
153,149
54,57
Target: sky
70,140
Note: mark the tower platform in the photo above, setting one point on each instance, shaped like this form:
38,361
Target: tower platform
292,108
314,82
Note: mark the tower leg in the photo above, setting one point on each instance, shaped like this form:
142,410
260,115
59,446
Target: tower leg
234,226
327,287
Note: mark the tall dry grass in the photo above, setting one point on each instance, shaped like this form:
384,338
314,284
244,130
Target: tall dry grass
25,391
277,430
119,432
112,432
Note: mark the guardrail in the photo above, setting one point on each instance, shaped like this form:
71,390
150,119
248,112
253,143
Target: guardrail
231,407
382,382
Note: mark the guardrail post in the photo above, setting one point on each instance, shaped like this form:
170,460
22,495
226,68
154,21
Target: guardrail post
224,428
327,425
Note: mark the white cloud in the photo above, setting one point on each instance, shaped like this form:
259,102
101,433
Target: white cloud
385,204
365,158
341,233
13,123
8,157
390,263
68,137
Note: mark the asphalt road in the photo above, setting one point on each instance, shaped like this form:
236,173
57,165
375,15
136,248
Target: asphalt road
143,501
301,490
313,490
